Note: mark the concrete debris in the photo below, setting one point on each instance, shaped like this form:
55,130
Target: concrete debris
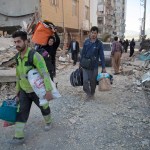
126,71
7,90
2,48
7,75
67,58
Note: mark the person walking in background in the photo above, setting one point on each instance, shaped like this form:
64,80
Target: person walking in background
93,51
74,48
132,45
116,55
126,45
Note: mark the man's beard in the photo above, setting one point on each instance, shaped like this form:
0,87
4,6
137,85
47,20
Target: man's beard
21,49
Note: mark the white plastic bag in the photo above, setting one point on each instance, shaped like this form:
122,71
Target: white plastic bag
37,83
55,92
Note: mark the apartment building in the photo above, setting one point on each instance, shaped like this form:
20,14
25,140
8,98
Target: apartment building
71,16
111,17
93,13
120,16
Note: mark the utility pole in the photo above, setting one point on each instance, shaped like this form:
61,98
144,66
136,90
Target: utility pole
144,18
63,20
143,3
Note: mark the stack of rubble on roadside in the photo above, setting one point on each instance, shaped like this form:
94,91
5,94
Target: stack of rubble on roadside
136,68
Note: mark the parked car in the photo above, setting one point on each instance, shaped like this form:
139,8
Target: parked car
107,53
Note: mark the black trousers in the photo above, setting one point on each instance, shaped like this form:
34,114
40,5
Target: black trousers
25,101
50,67
74,57
53,60
126,49
131,51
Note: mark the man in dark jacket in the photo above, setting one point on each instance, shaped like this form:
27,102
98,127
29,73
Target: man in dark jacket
132,45
74,48
93,50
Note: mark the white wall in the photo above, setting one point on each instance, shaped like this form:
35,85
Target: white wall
93,12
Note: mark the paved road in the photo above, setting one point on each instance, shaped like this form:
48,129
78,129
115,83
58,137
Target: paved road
115,120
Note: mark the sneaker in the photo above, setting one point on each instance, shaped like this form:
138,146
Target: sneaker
17,141
48,126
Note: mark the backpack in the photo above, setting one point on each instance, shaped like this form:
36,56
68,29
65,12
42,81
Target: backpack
45,55
76,77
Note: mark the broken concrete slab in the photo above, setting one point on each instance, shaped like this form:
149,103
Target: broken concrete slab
136,63
127,71
7,75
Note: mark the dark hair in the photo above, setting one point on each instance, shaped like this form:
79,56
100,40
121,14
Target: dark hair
51,37
116,38
94,28
21,34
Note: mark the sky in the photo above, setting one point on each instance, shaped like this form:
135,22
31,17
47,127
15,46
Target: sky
134,13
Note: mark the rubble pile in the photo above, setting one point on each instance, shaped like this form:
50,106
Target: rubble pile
7,90
139,71
7,50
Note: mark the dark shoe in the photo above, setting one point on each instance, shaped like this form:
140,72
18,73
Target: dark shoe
89,97
48,126
116,73
17,141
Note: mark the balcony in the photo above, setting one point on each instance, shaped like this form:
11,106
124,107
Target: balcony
100,13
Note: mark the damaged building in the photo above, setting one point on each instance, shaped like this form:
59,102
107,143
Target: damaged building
72,17
16,13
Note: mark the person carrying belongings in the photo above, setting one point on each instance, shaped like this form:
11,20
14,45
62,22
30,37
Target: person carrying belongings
51,48
116,55
46,39
25,93
91,53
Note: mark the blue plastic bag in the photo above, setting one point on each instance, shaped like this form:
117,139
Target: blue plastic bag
8,110
102,75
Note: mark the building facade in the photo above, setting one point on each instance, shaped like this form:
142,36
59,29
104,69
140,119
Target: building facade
111,17
93,13
72,17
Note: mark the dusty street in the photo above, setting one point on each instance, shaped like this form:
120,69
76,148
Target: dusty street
115,120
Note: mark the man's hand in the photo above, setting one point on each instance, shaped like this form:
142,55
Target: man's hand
48,96
103,70
54,29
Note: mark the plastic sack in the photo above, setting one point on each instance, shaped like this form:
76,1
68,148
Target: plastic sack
102,75
55,92
37,83
104,84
